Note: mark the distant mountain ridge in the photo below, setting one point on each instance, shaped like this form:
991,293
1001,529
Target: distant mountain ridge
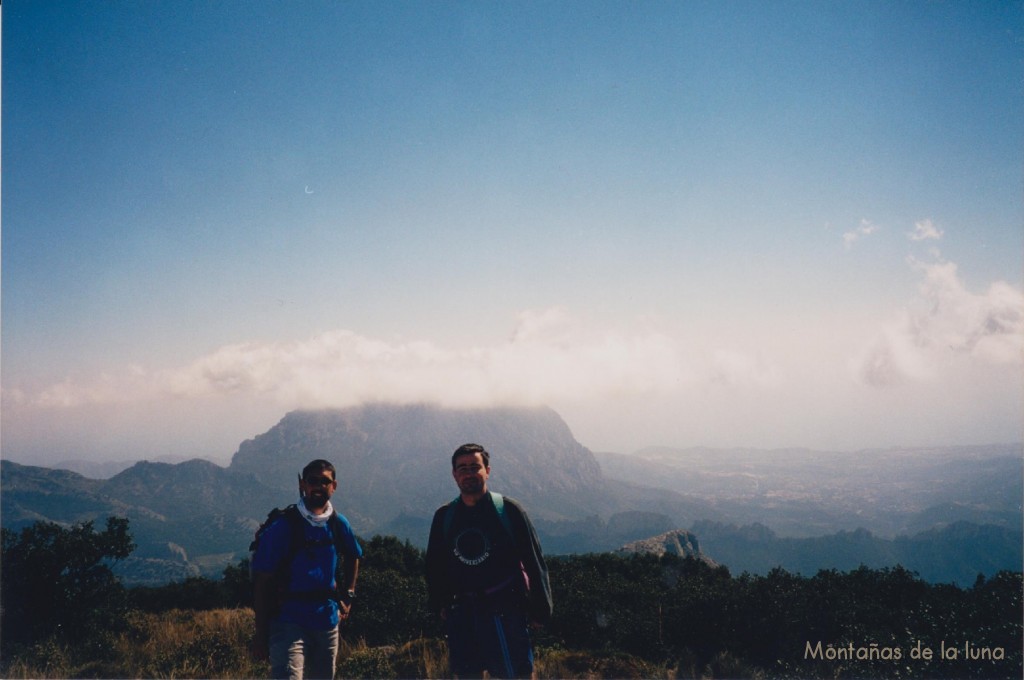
107,469
196,517
954,553
805,493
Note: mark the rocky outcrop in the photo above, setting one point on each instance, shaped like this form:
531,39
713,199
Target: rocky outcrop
394,459
676,542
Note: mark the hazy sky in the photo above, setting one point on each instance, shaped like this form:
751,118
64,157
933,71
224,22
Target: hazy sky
678,223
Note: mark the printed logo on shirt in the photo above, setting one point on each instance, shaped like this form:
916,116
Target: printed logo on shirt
472,547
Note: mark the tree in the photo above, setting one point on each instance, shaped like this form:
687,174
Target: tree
57,581
613,603
237,584
392,604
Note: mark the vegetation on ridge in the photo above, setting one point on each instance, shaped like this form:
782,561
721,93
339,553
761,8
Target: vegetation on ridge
616,616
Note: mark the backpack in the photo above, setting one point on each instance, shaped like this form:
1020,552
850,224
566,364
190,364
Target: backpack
298,542
499,505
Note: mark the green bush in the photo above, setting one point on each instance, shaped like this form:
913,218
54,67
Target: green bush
372,662
391,607
58,582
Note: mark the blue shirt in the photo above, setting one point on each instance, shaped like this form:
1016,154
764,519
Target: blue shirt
313,568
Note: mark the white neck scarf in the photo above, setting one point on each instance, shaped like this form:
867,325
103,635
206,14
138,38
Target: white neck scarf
315,520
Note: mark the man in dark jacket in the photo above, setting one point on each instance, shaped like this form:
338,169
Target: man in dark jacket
486,575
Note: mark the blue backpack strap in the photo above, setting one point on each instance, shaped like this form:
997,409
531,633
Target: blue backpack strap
297,531
299,541
297,526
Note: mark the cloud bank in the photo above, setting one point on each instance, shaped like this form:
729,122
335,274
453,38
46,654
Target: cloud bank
553,358
948,323
549,357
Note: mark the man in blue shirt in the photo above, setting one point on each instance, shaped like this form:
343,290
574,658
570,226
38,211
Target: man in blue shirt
296,596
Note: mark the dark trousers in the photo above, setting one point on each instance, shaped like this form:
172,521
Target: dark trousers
483,638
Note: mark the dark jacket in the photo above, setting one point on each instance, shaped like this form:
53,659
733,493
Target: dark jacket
478,558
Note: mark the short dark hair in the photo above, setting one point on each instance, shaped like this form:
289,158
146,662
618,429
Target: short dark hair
319,465
470,450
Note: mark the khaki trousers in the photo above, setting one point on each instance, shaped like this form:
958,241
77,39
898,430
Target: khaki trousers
298,653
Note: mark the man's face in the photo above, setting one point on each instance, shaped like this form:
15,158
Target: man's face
318,487
471,474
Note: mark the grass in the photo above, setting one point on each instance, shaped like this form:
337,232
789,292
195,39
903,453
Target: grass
215,644
176,644
423,658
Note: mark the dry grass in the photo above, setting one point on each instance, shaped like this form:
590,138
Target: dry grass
215,644
592,666
189,644
176,644
206,644
423,658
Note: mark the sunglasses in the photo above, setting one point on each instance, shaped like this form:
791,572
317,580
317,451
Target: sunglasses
319,481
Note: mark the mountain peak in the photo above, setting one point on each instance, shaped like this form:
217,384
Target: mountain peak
676,542
391,458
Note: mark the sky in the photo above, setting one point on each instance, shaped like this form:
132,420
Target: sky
759,224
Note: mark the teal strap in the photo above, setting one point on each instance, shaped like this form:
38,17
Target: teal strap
499,505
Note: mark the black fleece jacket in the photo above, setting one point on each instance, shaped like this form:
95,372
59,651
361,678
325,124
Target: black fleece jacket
478,556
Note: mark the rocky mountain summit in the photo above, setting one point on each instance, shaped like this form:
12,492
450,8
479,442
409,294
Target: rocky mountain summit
676,542
396,460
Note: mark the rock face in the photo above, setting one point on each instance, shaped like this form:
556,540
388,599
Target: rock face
676,542
394,460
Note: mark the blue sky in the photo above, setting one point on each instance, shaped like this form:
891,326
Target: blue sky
677,223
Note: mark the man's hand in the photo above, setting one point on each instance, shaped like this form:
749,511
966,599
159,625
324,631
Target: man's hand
344,609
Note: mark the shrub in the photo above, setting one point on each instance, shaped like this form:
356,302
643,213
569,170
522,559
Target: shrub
189,644
391,608
368,662
58,582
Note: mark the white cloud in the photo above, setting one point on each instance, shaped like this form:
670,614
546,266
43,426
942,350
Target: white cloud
739,369
865,228
549,357
132,384
925,230
892,358
948,323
